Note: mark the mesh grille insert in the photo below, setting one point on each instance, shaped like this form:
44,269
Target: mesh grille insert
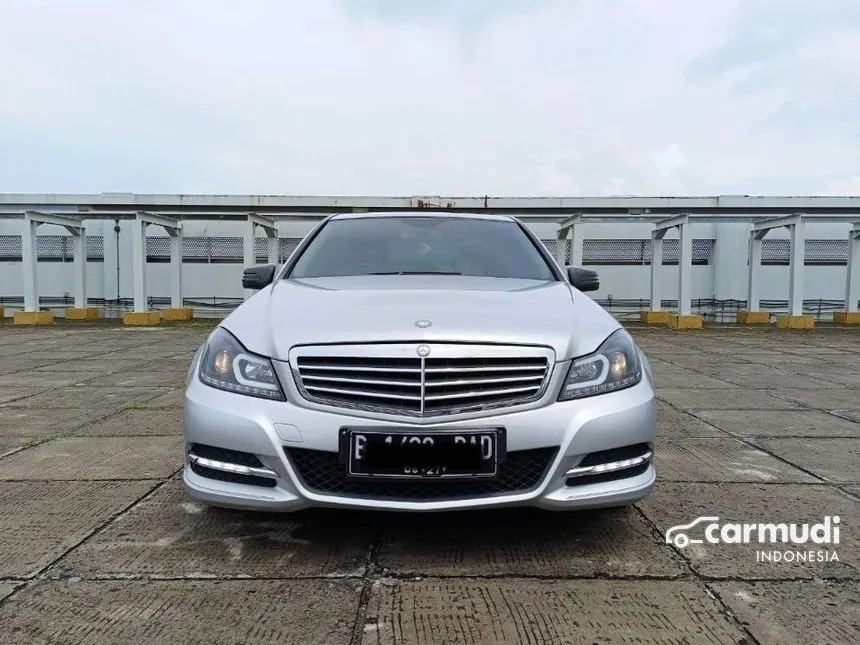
322,472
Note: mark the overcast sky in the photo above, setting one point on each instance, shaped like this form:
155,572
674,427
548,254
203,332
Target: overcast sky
432,97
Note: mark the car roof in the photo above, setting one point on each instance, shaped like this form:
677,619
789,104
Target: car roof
380,214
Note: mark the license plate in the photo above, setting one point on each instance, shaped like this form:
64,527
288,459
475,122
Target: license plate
420,455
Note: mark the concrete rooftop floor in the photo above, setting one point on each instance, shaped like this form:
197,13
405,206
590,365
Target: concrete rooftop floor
98,543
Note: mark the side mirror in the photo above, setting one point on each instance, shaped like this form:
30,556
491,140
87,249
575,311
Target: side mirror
583,279
258,277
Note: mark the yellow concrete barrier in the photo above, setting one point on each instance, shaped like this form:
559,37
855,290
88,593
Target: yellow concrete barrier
753,318
82,313
839,317
692,321
177,313
144,318
795,322
655,317
33,318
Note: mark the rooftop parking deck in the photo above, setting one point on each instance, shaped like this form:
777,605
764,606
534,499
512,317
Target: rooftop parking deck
98,543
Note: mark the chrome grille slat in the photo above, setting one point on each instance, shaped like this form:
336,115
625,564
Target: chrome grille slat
343,379
443,370
460,395
483,381
391,379
365,393
337,368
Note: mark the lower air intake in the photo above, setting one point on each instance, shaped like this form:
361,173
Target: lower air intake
322,472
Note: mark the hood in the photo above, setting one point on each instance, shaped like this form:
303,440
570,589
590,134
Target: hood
358,309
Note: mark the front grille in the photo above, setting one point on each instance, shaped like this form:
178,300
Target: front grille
322,472
421,386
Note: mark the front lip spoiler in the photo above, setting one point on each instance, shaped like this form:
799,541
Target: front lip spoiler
612,466
236,469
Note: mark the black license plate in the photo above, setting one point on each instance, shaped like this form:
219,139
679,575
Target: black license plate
420,455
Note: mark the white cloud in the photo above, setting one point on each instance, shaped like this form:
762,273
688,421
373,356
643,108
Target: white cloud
669,159
546,97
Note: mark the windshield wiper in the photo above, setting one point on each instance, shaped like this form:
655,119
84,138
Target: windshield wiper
414,273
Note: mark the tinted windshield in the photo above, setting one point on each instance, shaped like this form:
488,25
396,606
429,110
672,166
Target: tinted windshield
415,245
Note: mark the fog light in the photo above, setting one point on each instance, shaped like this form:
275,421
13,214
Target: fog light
612,466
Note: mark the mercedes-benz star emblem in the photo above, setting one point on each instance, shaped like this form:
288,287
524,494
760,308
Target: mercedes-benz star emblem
423,351
423,324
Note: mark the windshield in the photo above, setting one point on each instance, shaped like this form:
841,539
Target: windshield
422,245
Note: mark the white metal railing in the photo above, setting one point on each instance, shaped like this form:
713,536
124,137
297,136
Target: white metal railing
663,214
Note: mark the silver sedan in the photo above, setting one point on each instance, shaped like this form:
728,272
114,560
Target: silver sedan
419,362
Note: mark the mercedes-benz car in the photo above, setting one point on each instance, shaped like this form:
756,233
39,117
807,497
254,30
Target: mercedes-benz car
419,362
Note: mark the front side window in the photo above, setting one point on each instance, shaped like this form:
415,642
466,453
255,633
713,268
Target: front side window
422,245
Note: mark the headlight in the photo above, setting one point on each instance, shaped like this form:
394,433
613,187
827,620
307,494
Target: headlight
614,366
227,365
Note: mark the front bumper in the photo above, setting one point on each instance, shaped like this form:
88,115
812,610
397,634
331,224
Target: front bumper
269,430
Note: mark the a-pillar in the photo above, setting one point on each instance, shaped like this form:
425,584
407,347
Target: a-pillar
851,315
752,315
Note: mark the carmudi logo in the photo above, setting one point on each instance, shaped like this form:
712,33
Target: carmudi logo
709,530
